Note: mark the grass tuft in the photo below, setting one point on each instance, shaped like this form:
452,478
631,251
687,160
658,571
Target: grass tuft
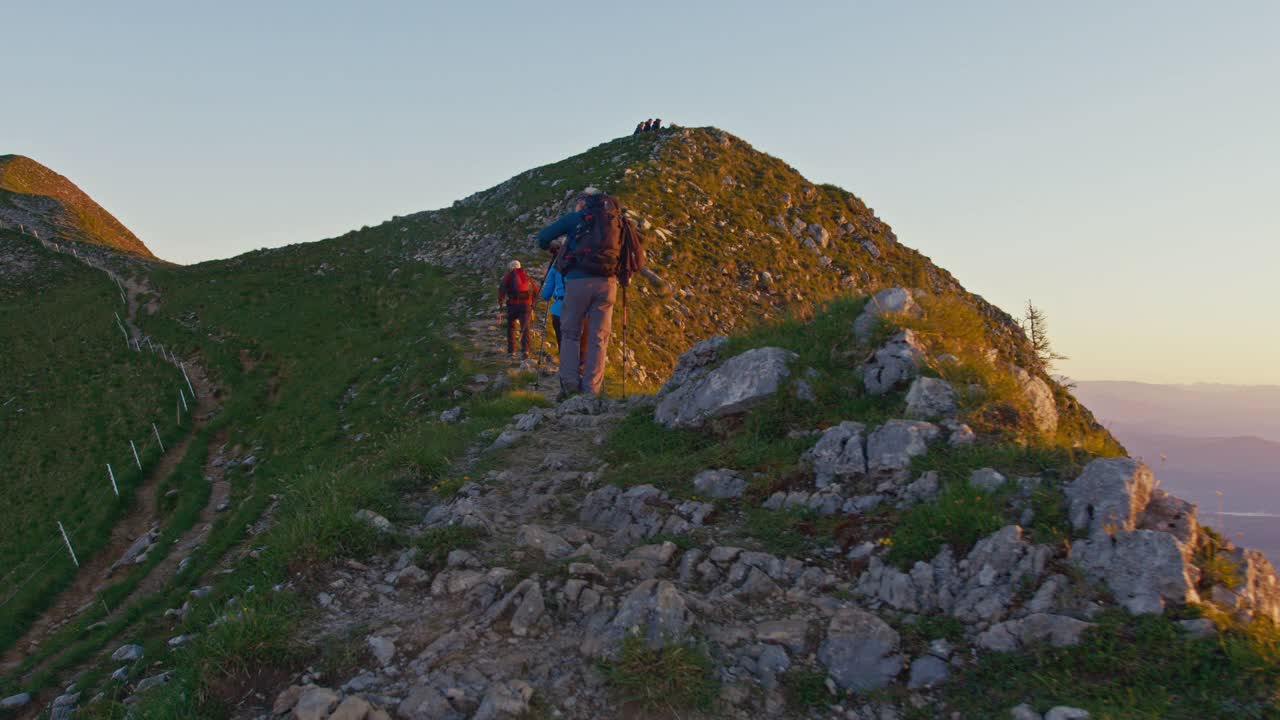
669,679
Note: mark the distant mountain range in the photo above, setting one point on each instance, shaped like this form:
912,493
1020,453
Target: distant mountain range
1200,410
1202,440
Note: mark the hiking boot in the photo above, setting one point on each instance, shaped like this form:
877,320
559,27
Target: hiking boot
565,394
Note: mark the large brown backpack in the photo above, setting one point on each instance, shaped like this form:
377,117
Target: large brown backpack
606,244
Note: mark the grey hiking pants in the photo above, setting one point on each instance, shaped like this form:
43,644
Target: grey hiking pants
591,298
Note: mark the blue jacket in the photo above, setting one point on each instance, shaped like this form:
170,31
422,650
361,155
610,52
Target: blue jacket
553,289
567,225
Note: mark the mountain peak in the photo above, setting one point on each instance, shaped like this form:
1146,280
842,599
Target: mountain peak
36,198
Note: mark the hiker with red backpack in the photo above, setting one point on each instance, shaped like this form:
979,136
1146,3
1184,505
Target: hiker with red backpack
602,250
518,290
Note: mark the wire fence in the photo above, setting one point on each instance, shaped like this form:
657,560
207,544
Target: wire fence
62,541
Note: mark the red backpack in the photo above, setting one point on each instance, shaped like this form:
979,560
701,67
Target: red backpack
520,289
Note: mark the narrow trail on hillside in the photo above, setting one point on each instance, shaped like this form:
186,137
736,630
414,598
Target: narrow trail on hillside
539,484
143,517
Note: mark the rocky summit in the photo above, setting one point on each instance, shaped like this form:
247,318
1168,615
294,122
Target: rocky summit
837,484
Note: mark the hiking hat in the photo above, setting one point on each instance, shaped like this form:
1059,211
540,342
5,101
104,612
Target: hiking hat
513,265
589,191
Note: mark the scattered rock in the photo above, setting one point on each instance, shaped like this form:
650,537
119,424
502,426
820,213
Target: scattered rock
927,671
127,653
1044,409
887,302
986,479
1198,627
860,651
654,608
314,703
930,398
894,364
1057,630
382,648
1063,712
719,484
151,682
352,707
693,363
1109,495
13,702
1144,569
838,454
286,700
892,445
1024,712
548,543
743,382
375,521
504,699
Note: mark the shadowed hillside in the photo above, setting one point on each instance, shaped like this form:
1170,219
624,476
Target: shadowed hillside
38,199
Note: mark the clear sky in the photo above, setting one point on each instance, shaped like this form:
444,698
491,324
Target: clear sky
1118,163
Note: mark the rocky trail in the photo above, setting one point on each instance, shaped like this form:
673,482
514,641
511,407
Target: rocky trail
560,567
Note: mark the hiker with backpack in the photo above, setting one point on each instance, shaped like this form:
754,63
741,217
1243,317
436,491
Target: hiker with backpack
657,124
518,291
602,250
553,291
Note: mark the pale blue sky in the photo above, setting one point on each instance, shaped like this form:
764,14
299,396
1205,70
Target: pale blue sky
1118,163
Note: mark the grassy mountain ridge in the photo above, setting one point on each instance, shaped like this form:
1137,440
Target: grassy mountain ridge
337,356
737,236
39,199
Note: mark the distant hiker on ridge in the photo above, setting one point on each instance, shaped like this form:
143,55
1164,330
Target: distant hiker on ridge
518,290
648,125
639,128
657,124
602,250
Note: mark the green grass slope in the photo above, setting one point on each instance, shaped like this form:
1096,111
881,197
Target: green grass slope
72,396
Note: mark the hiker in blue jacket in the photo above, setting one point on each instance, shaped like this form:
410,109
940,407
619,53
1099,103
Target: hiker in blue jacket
553,290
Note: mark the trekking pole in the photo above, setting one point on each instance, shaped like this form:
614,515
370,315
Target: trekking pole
624,342
542,344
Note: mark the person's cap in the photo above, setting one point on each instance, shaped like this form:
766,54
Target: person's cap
514,265
589,191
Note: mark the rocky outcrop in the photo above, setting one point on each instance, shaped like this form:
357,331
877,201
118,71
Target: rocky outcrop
1039,396
654,609
1145,569
1056,630
631,515
743,382
894,364
891,447
931,398
694,363
838,455
978,588
1109,496
882,305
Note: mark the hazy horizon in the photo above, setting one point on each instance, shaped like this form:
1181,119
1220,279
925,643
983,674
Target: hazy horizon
1113,164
